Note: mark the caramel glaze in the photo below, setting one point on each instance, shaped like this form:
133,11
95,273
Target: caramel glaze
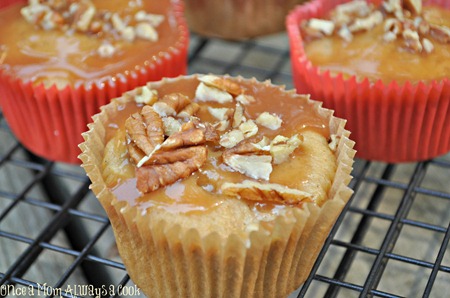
368,55
194,194
56,57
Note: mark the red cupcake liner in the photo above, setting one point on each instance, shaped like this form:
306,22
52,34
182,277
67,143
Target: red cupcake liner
389,122
49,121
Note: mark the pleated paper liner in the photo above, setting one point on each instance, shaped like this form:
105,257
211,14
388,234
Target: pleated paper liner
237,20
49,121
168,260
389,122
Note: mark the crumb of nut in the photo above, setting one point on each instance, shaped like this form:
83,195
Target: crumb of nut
253,166
206,93
414,6
153,19
263,145
427,45
84,16
366,23
238,116
245,99
393,25
256,191
171,125
268,120
359,7
223,84
318,27
222,125
282,147
117,22
220,113
106,50
412,40
345,33
171,104
128,34
334,141
189,110
389,36
146,31
231,138
146,95
248,128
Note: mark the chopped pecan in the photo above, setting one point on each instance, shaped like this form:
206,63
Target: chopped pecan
183,163
253,166
146,31
412,40
188,135
248,128
171,125
84,16
145,131
145,95
223,84
189,110
440,33
231,138
256,191
245,99
366,23
220,113
281,147
414,6
207,93
428,46
318,27
238,116
171,104
271,121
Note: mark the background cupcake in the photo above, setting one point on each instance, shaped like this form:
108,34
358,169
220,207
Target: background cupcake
401,114
62,60
237,19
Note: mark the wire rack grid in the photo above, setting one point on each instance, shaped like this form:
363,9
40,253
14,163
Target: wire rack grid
390,241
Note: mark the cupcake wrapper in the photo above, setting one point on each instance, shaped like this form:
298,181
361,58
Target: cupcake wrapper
165,260
389,122
49,121
236,19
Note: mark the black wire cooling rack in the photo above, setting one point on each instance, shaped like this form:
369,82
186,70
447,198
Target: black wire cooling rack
390,241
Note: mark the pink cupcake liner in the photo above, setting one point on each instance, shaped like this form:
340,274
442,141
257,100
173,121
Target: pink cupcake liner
389,122
49,121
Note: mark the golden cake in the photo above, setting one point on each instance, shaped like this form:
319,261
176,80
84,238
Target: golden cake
66,58
218,186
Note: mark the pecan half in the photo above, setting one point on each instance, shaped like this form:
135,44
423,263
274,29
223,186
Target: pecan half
145,131
271,192
183,163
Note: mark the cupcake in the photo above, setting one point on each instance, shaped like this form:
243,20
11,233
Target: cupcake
214,191
62,60
383,66
237,19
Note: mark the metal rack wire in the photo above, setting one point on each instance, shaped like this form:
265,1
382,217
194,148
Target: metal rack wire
390,241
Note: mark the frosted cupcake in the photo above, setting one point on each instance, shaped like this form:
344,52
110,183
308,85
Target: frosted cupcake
62,60
214,191
382,66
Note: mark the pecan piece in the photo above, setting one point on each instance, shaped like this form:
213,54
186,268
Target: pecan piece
145,130
440,33
222,84
255,191
185,162
171,104
189,110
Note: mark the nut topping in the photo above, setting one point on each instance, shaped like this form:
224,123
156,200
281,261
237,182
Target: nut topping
268,120
223,84
402,19
253,166
206,93
281,147
171,104
84,17
255,191
145,132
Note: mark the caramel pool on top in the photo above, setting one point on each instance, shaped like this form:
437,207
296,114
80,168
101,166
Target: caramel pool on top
379,50
69,56
260,144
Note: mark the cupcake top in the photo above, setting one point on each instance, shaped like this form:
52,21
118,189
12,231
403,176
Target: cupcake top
205,149
398,40
75,41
